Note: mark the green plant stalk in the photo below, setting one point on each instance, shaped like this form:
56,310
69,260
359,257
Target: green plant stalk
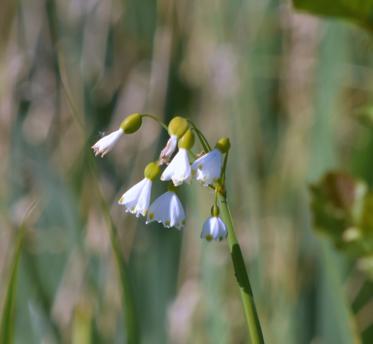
155,118
8,316
247,297
133,336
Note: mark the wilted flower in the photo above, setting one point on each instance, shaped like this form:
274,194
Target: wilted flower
168,150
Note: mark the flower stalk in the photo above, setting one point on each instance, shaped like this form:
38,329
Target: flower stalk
247,297
210,170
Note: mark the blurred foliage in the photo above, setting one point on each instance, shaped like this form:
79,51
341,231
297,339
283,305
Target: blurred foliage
9,309
282,85
343,209
365,115
359,11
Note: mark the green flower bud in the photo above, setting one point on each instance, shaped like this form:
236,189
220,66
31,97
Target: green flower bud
223,144
131,123
187,140
178,126
215,211
152,170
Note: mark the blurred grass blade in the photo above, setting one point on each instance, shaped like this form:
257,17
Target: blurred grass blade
130,319
339,323
8,314
127,297
358,11
82,326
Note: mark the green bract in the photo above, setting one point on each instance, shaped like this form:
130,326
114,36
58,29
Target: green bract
187,140
178,126
152,170
223,144
131,123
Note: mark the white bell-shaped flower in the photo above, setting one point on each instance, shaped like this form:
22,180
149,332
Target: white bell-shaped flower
168,210
168,150
179,170
214,229
137,199
106,144
207,168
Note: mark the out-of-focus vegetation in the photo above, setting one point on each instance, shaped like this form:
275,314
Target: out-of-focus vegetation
359,11
343,209
284,86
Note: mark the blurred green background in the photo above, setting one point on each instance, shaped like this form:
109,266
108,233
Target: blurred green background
284,86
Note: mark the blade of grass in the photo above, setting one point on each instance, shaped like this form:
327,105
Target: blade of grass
342,325
130,319
8,314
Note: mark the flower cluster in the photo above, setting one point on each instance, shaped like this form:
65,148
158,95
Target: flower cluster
208,169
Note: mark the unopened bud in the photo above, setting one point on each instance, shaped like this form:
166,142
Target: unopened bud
223,144
177,126
187,140
131,123
152,170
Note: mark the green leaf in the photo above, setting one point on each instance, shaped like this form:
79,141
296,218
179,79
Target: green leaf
359,11
8,314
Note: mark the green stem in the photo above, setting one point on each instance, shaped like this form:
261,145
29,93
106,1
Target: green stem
206,146
247,297
155,118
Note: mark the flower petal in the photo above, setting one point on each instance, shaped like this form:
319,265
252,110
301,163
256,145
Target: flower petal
179,169
168,210
106,144
208,167
168,150
136,200
214,228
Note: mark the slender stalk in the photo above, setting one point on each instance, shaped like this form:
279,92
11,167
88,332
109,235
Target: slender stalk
247,297
155,118
206,146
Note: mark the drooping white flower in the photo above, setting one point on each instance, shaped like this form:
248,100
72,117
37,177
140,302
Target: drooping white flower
168,150
207,168
106,144
168,210
137,199
214,229
179,169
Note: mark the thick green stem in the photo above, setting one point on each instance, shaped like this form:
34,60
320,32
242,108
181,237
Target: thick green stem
247,297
